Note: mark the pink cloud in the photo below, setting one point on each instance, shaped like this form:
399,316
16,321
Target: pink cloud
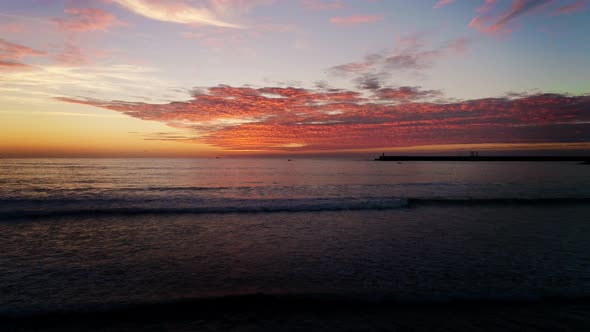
353,67
323,5
12,53
519,8
496,23
72,55
87,19
486,6
220,37
277,118
10,50
355,19
458,46
573,7
8,65
11,28
441,3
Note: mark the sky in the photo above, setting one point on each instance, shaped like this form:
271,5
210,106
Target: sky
184,78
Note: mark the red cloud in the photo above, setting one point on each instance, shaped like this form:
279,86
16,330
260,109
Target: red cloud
355,19
275,118
87,19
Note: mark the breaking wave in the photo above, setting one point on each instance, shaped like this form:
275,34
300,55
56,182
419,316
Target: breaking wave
15,208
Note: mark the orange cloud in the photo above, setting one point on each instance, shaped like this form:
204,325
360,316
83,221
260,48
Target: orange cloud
297,119
355,19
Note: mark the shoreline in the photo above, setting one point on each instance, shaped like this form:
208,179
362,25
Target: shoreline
268,312
583,159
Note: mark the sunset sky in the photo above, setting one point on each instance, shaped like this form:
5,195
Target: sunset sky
223,77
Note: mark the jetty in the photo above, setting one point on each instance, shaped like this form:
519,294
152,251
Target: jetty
476,157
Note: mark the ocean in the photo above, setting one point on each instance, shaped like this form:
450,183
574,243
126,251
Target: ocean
101,235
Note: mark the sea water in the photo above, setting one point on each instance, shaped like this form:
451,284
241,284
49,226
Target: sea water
94,233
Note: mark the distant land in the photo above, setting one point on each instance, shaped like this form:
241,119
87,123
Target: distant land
476,157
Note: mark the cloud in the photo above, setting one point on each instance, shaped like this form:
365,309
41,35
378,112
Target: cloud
11,28
12,65
51,113
86,19
11,54
411,55
354,67
572,7
370,81
183,13
519,8
323,5
406,93
72,55
355,19
166,136
496,23
10,50
220,38
124,82
240,40
289,118
441,3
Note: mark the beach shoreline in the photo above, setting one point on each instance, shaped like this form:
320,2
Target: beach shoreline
295,313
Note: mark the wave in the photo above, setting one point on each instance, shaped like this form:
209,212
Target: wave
499,201
125,189
96,207
11,209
